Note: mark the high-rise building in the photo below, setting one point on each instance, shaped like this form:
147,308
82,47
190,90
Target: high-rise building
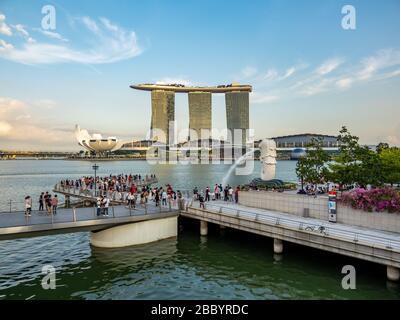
163,108
200,113
162,113
237,114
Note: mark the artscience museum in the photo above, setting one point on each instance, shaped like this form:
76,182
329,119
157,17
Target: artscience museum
95,142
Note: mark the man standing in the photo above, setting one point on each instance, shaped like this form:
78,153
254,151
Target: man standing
28,206
217,192
98,203
45,198
164,198
54,203
180,200
230,192
48,204
106,204
237,194
41,199
208,194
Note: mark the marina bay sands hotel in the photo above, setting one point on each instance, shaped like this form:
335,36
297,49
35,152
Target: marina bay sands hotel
163,107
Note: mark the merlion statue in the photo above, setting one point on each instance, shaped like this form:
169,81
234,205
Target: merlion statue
268,159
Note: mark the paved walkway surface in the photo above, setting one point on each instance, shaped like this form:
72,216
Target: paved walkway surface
16,219
361,235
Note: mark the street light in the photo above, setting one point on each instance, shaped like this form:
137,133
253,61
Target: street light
95,168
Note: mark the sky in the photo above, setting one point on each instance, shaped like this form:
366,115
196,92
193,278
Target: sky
309,74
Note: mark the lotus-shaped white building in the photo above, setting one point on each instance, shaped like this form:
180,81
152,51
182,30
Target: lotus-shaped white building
96,142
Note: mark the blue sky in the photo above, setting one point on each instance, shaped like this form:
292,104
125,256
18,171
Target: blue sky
307,72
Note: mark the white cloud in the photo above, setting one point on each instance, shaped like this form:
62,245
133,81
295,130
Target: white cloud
90,24
45,103
315,88
109,25
271,74
5,128
344,83
23,116
248,72
51,34
5,46
111,43
4,28
257,97
329,66
294,69
10,105
21,29
393,140
20,128
383,59
289,72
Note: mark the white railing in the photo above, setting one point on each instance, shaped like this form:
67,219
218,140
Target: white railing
310,226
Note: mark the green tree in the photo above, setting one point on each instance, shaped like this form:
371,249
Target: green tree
343,169
381,146
355,163
369,167
302,168
390,161
312,168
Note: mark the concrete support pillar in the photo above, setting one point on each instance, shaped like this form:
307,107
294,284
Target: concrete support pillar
203,228
278,246
393,273
67,201
135,233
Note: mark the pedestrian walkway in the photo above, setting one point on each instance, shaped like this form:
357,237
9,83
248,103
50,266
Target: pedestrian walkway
17,224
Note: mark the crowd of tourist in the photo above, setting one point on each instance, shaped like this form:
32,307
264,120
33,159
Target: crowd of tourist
118,183
46,204
227,193
131,190
314,189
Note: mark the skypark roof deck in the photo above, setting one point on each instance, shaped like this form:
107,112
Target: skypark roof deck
182,88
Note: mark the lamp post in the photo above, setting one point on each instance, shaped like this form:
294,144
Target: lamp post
95,168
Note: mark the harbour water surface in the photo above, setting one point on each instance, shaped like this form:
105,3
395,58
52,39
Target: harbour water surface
228,265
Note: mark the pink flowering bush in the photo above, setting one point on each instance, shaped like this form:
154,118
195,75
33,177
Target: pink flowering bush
379,199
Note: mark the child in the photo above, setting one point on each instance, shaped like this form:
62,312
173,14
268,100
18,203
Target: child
28,206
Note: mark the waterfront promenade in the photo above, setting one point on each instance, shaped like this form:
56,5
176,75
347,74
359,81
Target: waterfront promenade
373,245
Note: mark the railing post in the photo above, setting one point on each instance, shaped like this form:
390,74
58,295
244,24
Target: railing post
10,205
74,214
94,211
145,208
112,207
169,205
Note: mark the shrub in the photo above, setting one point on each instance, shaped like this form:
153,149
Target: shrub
379,199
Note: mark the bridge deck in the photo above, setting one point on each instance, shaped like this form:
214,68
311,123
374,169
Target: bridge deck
364,243
16,224
350,232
